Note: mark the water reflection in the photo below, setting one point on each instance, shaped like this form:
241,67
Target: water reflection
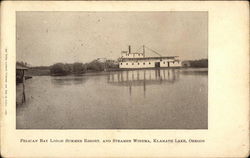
143,78
68,80
195,72
138,99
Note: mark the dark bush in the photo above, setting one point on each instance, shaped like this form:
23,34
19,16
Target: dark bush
79,68
59,69
95,66
203,63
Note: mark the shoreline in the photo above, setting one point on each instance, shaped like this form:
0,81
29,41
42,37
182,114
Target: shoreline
96,73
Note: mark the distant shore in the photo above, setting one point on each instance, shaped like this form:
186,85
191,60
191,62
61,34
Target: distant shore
42,72
95,67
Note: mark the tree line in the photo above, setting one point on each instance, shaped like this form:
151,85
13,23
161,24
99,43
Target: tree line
69,68
80,68
202,63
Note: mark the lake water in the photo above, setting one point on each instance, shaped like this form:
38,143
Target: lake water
139,99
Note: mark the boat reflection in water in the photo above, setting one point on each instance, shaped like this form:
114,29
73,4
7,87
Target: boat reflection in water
143,78
138,99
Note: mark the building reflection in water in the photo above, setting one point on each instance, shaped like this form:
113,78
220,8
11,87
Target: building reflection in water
143,78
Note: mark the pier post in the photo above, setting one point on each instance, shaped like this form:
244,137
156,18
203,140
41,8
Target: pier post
23,82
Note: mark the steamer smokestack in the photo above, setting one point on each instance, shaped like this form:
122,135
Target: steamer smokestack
129,49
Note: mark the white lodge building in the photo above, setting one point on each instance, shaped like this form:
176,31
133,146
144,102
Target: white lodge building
136,60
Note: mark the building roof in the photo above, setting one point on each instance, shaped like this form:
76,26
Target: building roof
149,58
19,67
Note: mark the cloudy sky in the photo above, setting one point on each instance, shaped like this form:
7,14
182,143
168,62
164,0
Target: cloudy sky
44,38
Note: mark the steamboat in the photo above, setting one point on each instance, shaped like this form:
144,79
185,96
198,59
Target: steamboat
136,60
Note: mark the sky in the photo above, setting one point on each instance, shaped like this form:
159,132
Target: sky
45,38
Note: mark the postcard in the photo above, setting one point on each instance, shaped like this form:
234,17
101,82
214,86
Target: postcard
124,79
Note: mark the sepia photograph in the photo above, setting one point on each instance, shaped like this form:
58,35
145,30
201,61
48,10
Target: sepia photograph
111,70
124,79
